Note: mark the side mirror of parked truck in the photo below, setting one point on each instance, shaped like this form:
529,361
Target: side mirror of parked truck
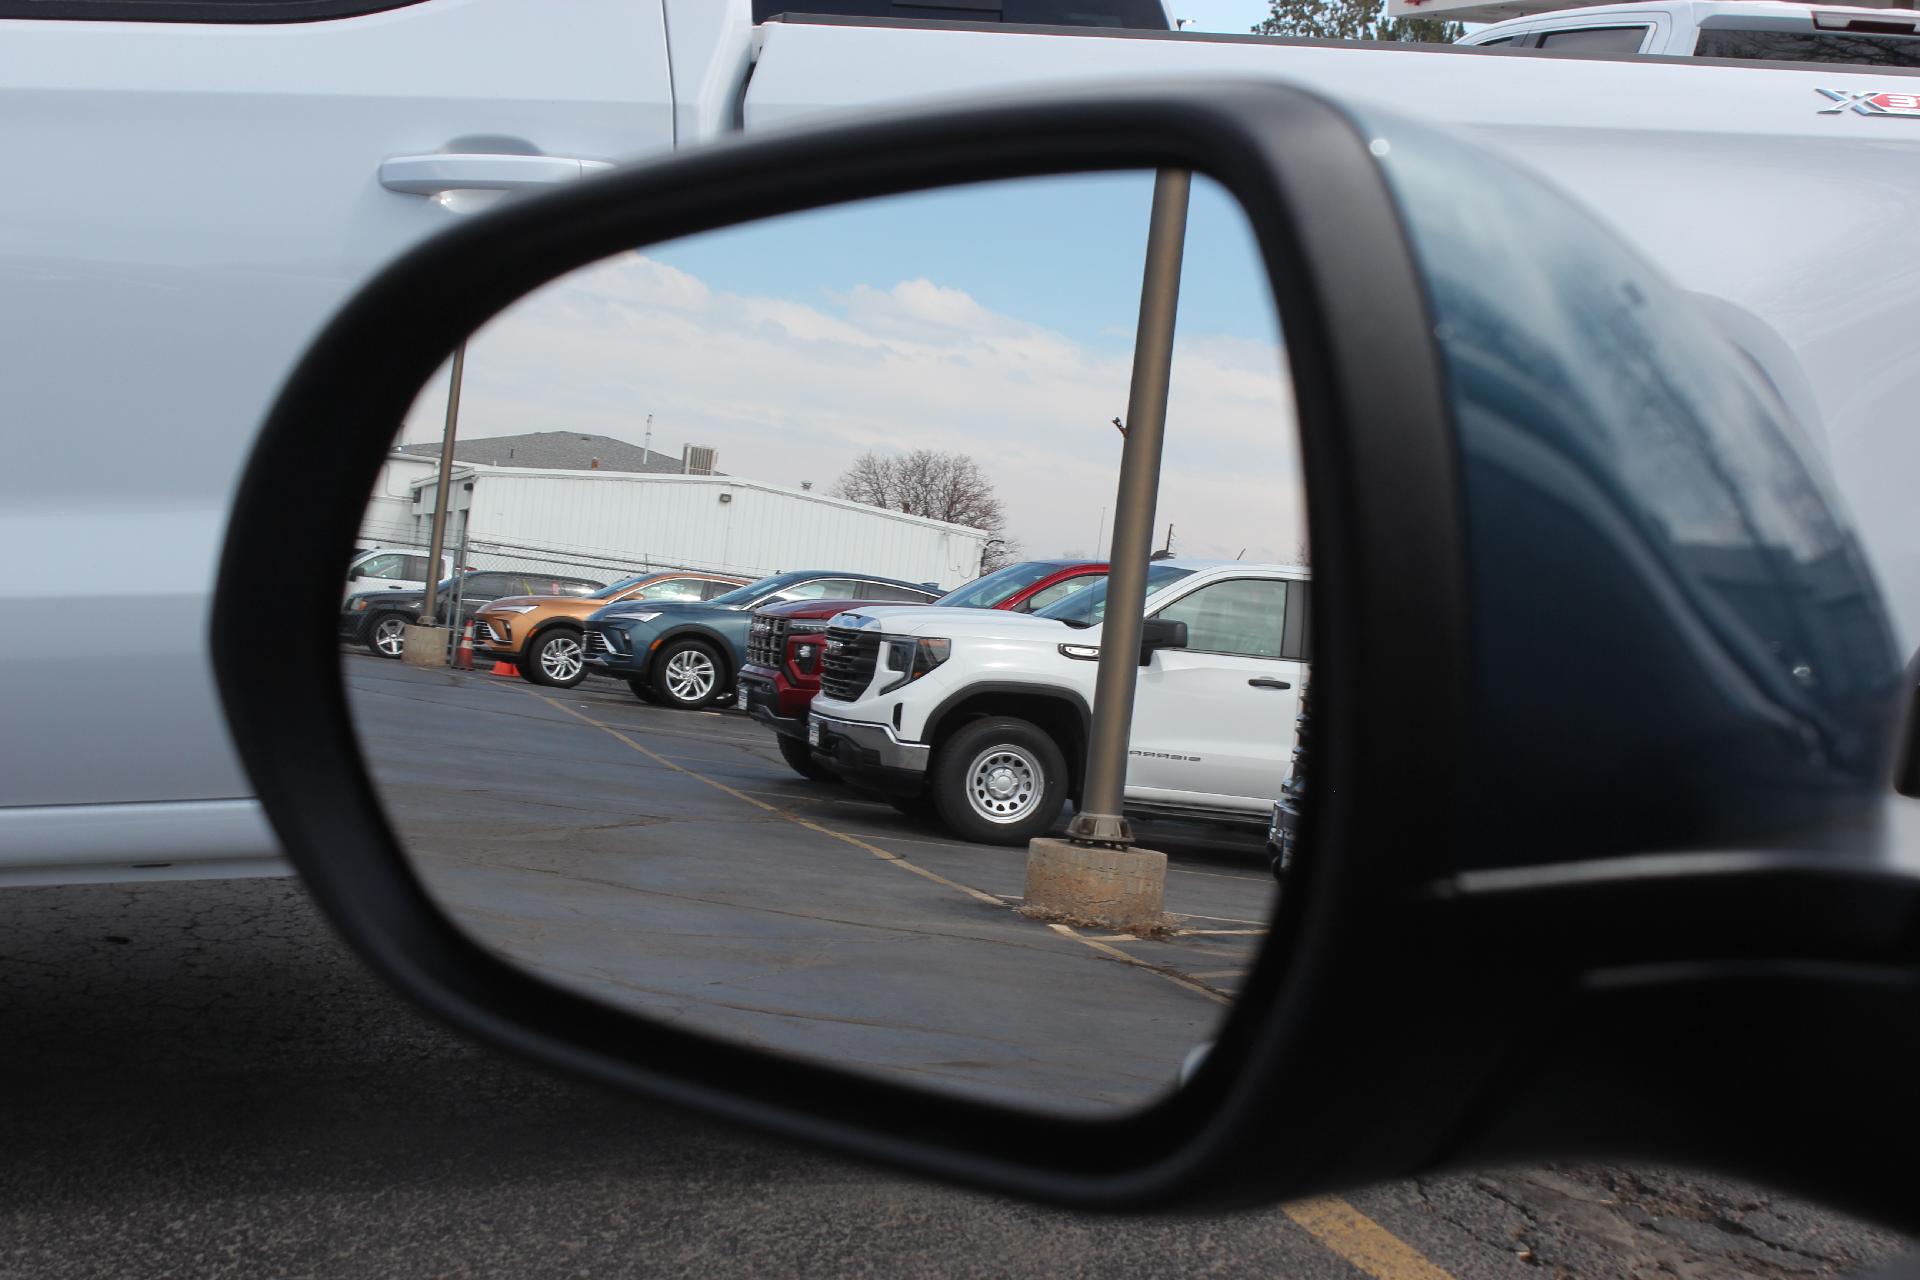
1160,633
1605,702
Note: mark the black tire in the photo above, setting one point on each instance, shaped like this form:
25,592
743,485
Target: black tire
677,675
383,627
556,648
1035,771
643,691
799,758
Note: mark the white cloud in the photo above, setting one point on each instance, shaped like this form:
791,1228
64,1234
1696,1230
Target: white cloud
789,391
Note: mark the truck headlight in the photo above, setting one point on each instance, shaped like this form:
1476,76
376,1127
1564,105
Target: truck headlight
524,608
914,657
636,617
360,606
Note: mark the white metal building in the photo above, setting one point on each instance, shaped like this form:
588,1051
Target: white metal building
389,515
634,521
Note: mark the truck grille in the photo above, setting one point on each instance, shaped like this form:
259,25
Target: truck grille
595,642
847,668
767,642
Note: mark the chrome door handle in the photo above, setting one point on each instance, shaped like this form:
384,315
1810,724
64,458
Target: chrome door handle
429,175
1268,682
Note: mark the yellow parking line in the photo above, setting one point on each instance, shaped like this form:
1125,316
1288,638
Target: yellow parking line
1198,988
1333,1222
1366,1244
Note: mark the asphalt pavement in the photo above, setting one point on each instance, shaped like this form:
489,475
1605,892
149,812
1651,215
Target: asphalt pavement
670,862
198,1080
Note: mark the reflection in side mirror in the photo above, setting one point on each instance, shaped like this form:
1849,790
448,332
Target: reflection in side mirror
886,435
1160,633
1670,647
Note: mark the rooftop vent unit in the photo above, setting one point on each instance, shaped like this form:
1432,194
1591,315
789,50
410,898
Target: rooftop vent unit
697,460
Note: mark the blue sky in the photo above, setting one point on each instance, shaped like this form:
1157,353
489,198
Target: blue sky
995,321
1237,16
1065,253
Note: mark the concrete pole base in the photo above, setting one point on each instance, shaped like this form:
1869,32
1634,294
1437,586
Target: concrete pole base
423,646
1119,888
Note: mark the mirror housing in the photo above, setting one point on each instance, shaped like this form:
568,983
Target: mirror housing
1382,940
1160,633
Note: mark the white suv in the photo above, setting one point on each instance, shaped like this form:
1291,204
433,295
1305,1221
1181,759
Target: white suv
982,716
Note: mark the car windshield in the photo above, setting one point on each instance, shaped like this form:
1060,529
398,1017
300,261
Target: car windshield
998,586
1086,608
740,597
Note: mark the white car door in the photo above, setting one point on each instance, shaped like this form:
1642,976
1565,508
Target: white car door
193,187
1213,723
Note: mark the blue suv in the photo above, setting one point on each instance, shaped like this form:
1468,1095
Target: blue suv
685,653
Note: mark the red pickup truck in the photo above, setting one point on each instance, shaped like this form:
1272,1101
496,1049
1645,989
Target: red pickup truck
782,671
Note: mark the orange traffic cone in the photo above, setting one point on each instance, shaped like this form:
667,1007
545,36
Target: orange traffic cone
463,655
505,669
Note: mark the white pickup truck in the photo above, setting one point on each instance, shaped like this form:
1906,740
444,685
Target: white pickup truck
197,186
1748,30
983,716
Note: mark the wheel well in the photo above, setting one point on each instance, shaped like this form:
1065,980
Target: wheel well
553,624
721,649
1060,718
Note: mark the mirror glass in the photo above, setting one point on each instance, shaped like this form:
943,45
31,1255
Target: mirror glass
764,626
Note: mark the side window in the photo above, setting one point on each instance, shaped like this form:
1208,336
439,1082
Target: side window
416,569
493,585
1488,44
708,590
1060,591
390,566
1244,616
1595,40
887,593
672,589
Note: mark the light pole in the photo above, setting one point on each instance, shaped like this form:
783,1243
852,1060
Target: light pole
444,487
1099,820
1096,872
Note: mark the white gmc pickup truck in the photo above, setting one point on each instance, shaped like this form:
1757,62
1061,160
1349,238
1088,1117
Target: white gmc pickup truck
198,184
1743,30
983,716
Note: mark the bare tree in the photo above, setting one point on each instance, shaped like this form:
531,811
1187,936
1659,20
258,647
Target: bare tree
1352,20
943,486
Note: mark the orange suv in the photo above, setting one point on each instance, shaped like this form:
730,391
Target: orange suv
541,634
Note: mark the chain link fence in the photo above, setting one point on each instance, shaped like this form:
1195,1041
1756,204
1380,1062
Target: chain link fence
565,569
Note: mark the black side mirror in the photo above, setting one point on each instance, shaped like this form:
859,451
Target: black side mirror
1603,695
1160,633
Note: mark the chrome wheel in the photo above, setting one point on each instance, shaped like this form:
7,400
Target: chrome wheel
561,659
1005,784
389,637
691,676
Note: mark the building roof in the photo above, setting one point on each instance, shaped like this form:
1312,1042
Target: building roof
555,451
